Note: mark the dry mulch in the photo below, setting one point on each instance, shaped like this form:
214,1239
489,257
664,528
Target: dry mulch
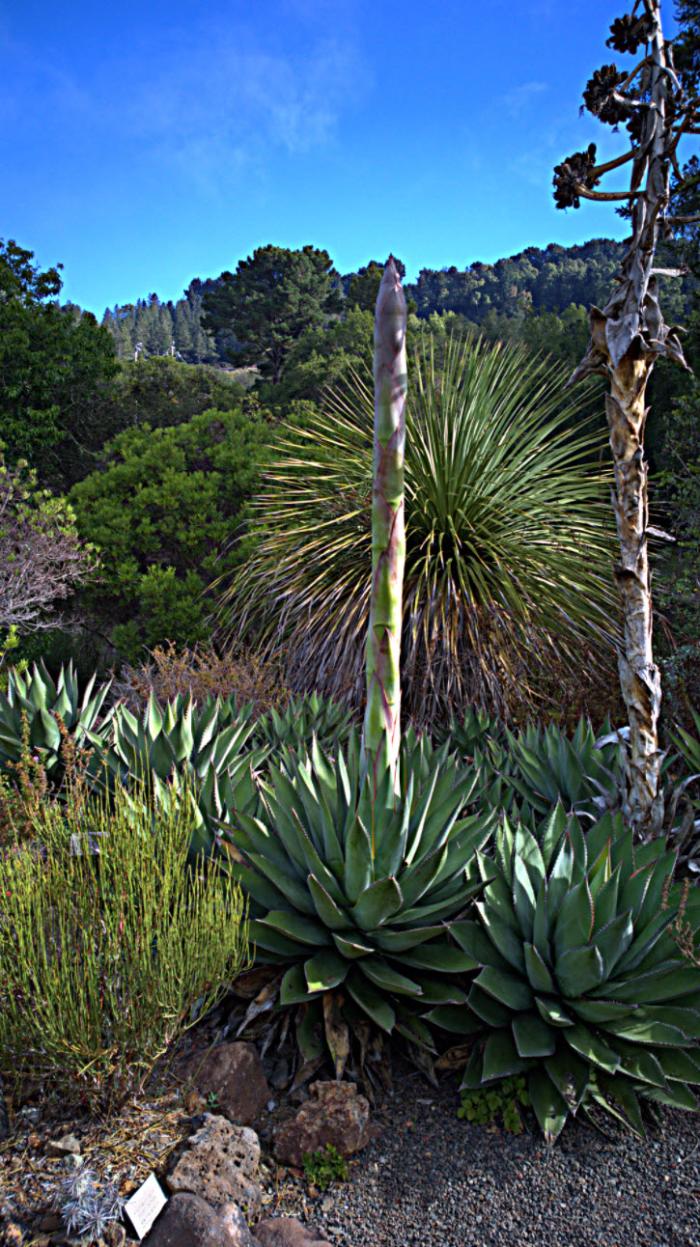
430,1179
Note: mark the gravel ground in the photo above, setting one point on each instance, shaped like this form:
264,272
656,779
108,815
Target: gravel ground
434,1180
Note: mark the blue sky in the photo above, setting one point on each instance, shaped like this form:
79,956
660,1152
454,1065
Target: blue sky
146,144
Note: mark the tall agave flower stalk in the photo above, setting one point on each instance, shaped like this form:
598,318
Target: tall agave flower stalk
382,727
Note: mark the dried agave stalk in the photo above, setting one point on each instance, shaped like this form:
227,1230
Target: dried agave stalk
627,336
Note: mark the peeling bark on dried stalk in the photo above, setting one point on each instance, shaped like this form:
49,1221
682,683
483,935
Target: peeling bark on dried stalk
382,727
627,337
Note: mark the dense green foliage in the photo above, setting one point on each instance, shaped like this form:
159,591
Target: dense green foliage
166,512
149,327
582,983
501,495
55,364
268,303
503,1100
108,941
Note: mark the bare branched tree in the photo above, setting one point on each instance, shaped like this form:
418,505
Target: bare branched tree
628,335
42,560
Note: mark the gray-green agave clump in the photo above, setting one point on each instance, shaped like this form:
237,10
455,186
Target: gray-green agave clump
581,981
33,704
303,719
209,745
355,889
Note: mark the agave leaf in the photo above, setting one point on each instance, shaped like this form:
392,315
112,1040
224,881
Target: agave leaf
384,976
637,1029
639,1063
665,982
675,1095
598,1011
309,1031
626,1098
552,1012
439,957
358,861
472,938
351,946
295,926
579,970
523,898
257,886
419,879
377,904
533,1038
570,1075
273,941
679,1065
330,914
550,1109
613,940
511,991
441,991
500,1057
606,900
574,923
399,940
325,970
501,934
590,1046
293,988
645,941
371,1001
292,890
537,971
457,1019
490,1011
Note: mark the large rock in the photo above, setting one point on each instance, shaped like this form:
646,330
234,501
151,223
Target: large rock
233,1073
220,1165
287,1232
334,1113
188,1221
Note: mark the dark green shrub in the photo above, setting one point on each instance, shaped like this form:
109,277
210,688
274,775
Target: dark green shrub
166,514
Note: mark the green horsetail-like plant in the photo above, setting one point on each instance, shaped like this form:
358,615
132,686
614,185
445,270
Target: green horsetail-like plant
382,729
110,945
588,983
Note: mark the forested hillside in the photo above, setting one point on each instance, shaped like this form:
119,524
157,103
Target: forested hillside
535,281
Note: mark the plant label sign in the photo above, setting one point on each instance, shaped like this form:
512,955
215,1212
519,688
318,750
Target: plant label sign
145,1205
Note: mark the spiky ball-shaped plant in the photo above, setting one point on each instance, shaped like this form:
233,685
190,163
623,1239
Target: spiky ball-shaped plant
581,982
353,886
500,499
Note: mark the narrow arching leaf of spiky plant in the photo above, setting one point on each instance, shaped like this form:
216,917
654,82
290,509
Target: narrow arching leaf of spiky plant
382,728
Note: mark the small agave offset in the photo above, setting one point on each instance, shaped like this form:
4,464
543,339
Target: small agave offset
354,887
209,748
582,983
35,699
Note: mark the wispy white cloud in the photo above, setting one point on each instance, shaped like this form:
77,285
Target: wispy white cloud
519,98
216,103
